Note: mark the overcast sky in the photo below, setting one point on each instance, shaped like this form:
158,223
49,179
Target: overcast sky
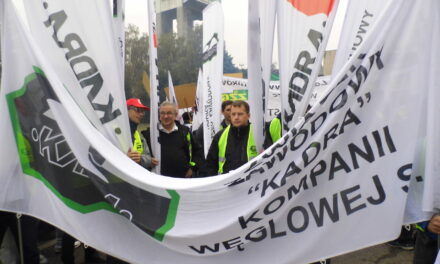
235,13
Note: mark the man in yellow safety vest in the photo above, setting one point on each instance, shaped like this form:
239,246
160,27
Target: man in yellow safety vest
234,145
140,152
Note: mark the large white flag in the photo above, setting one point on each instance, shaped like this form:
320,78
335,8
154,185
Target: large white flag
119,32
303,30
172,97
267,25
198,114
359,18
213,46
154,84
256,87
84,67
341,167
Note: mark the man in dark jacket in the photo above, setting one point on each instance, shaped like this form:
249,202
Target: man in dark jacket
234,145
226,111
176,145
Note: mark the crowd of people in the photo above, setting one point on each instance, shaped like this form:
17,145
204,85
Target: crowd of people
182,156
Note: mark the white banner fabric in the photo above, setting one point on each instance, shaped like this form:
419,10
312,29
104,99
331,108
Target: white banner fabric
119,32
267,10
154,84
198,114
172,97
81,59
340,168
359,18
303,31
256,92
213,47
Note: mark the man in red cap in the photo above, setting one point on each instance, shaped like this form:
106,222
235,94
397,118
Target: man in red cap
140,152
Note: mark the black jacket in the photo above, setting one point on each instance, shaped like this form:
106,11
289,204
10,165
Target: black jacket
176,151
236,150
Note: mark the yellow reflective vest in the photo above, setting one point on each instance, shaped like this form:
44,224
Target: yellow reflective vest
251,149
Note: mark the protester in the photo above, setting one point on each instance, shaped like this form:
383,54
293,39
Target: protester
234,145
178,151
140,153
226,111
426,241
273,132
405,240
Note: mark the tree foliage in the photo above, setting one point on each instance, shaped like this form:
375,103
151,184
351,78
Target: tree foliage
182,57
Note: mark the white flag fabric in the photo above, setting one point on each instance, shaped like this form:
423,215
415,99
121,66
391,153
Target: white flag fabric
303,31
213,46
337,174
172,97
77,56
267,11
359,18
154,84
119,32
198,116
431,198
256,89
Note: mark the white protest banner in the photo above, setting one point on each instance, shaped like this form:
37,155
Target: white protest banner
172,97
154,84
213,46
341,167
198,116
267,24
119,31
303,31
78,56
431,198
359,17
256,89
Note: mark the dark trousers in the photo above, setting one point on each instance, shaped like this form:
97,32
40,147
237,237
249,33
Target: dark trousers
29,231
426,249
67,251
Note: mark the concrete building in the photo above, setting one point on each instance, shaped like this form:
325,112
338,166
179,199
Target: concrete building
185,12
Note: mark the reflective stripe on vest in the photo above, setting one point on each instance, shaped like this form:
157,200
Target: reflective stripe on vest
251,149
137,143
188,138
275,129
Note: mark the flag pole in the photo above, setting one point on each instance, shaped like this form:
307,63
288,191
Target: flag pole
20,238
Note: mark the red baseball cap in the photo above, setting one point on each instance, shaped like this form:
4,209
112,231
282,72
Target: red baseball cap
136,102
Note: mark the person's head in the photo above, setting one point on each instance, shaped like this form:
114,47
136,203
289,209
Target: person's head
136,110
187,117
240,113
167,114
226,110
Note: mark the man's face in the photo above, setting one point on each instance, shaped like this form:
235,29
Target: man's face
227,113
135,114
168,114
239,117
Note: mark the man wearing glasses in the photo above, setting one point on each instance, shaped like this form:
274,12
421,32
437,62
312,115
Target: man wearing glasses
176,144
140,153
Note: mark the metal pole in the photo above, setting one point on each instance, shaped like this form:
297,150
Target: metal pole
20,238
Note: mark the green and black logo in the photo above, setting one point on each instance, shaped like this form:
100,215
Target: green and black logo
46,155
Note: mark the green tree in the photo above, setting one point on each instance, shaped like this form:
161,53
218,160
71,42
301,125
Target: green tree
182,57
136,62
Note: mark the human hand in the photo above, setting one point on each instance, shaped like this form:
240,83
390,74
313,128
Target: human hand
154,162
434,224
189,173
134,155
